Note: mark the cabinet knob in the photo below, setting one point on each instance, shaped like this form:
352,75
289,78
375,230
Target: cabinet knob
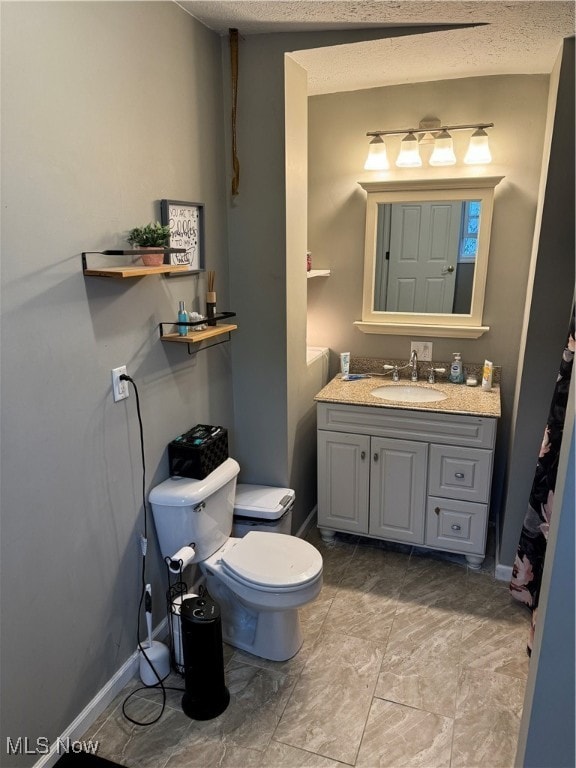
437,510
363,455
456,527
459,475
375,457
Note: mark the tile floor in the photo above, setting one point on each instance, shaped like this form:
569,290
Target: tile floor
409,659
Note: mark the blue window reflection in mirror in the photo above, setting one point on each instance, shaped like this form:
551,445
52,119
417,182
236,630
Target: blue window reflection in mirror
469,231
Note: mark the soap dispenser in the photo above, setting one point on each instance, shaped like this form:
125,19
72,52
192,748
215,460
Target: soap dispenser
456,373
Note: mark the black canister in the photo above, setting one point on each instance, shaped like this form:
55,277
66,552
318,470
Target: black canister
201,625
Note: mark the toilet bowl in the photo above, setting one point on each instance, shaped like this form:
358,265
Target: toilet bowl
260,581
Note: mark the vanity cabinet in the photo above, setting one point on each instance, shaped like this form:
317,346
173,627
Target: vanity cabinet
416,477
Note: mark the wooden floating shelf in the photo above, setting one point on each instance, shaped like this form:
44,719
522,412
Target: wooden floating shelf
127,271
133,270
194,337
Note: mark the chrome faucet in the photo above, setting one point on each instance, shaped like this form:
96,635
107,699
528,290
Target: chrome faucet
414,365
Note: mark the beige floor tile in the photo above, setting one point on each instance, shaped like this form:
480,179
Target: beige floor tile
283,756
138,745
434,583
416,627
257,699
485,739
421,668
403,737
335,559
215,754
365,604
329,705
420,683
481,691
495,645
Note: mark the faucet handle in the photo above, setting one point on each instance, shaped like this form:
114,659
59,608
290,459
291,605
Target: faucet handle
394,369
432,374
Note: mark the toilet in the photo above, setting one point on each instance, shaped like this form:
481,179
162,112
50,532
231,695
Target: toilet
259,581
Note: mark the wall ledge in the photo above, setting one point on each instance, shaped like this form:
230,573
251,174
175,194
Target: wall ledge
434,331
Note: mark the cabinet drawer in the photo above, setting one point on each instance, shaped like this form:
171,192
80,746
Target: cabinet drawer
459,473
456,526
427,427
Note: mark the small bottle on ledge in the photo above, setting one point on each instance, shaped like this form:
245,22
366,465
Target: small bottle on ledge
182,318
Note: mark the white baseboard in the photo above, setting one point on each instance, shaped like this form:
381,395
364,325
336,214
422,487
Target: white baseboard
308,523
94,708
503,572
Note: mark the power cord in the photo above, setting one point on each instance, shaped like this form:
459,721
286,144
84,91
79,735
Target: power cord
143,594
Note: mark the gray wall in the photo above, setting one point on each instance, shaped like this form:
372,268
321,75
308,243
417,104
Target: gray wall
106,109
548,309
547,726
270,378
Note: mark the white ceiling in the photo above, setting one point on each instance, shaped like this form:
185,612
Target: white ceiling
518,37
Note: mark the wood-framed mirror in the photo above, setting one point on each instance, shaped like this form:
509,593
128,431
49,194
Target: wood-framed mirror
426,256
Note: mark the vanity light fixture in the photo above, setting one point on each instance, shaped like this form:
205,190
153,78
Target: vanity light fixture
429,130
443,153
478,150
409,156
377,159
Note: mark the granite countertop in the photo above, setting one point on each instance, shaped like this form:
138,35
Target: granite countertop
460,398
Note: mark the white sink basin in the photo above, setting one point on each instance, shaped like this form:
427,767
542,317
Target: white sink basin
408,393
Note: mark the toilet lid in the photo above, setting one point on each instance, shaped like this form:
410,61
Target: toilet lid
273,559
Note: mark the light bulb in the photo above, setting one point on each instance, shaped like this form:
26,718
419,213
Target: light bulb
478,150
409,156
377,159
443,153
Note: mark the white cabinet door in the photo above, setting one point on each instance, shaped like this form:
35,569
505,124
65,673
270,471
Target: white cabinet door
343,481
398,489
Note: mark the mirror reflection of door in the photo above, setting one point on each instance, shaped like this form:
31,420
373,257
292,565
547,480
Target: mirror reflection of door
425,256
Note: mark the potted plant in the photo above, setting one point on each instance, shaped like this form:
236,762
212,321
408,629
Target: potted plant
154,235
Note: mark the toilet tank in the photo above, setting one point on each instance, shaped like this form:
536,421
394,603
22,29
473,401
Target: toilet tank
195,512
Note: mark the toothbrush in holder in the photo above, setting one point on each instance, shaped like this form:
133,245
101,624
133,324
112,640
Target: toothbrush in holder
211,299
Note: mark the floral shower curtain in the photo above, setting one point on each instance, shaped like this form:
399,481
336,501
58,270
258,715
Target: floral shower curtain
529,562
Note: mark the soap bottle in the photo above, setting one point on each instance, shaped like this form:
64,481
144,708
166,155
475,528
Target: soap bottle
182,318
456,374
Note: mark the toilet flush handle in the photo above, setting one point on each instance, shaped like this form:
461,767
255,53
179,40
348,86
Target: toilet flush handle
200,506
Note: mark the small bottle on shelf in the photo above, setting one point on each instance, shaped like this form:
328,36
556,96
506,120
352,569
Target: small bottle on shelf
211,307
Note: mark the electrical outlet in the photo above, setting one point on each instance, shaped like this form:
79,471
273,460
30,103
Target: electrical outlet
119,388
423,349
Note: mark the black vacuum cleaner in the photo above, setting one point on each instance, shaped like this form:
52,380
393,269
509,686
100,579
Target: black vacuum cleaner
206,694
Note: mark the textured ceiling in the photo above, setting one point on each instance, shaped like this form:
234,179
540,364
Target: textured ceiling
516,37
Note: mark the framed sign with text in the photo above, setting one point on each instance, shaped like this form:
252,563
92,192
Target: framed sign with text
186,222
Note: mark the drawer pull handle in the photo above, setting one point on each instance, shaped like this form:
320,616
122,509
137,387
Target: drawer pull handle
459,475
437,510
456,527
363,455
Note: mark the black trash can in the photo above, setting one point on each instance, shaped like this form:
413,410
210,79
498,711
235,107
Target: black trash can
206,694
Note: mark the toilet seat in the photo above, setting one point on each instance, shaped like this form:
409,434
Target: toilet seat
272,561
